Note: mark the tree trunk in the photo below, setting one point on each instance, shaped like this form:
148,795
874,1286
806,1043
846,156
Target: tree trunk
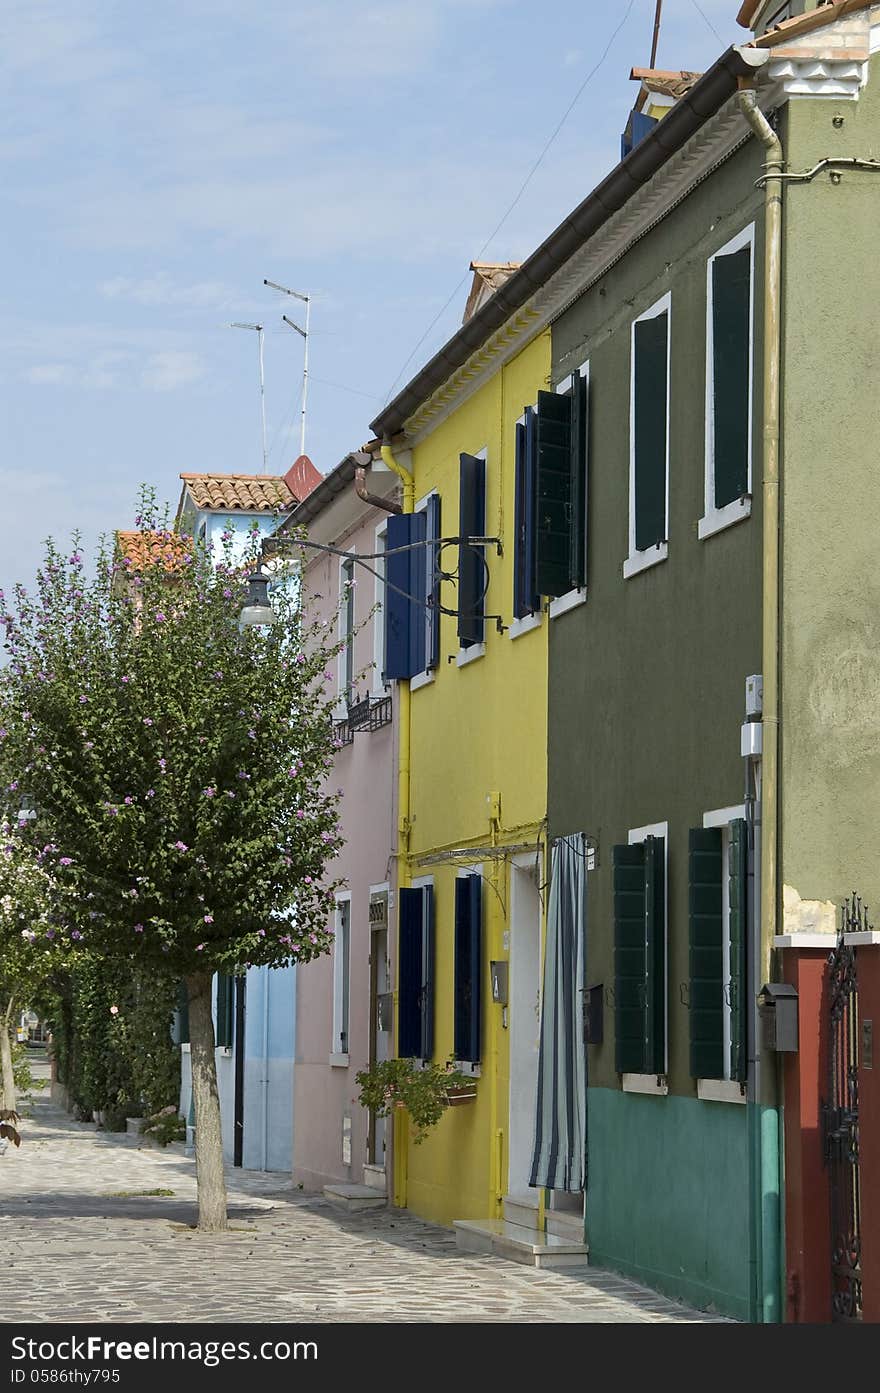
7,1078
210,1180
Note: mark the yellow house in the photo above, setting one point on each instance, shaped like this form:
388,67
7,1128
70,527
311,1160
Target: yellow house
473,784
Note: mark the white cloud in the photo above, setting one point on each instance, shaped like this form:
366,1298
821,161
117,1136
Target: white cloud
48,374
166,371
160,290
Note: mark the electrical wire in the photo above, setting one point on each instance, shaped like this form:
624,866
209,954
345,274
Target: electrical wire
698,7
528,179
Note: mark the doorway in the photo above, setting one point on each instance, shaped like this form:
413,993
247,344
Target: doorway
525,1023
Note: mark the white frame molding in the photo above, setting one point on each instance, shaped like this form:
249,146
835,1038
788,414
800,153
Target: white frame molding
378,688
341,708
561,604
478,650
340,1058
637,561
426,676
717,1090
517,627
717,519
655,1083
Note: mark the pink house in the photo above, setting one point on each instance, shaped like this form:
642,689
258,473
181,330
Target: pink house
344,1001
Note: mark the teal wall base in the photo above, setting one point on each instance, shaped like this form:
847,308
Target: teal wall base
668,1196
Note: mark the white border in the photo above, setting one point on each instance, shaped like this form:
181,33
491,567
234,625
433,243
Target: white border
470,655
716,519
426,676
338,1057
561,604
379,688
633,837
517,627
638,561
341,708
646,1083
721,1091
720,819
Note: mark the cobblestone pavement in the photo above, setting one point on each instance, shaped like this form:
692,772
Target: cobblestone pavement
82,1242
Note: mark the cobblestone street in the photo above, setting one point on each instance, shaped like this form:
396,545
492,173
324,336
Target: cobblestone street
83,1242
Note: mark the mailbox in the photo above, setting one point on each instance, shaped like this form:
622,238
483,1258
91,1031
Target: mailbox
498,970
593,1014
778,1011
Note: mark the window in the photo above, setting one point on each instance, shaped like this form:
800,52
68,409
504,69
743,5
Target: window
415,1028
639,890
649,439
560,490
468,959
225,1010
412,595
471,559
341,975
717,883
729,336
346,633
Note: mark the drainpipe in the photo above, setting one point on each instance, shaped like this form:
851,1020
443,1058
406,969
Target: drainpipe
401,1128
388,505
265,1078
765,1151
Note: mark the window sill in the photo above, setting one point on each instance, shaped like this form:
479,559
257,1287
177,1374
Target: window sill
561,604
184,1049
421,679
646,1083
225,1051
470,655
720,1091
525,625
642,560
338,1061
473,1071
717,519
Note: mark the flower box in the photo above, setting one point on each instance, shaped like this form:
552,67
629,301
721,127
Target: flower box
461,1093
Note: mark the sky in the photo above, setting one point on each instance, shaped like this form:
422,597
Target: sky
158,161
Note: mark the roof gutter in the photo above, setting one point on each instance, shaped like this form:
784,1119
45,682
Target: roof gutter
704,99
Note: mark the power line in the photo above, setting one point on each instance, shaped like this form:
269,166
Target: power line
698,7
528,179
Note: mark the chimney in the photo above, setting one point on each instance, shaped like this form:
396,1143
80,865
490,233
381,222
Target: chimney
489,276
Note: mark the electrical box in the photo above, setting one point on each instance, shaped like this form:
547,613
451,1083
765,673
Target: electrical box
498,972
778,1013
751,740
754,694
594,998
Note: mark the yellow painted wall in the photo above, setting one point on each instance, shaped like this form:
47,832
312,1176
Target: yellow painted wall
476,730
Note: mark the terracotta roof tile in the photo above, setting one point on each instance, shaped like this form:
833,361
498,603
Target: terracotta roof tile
142,549
240,493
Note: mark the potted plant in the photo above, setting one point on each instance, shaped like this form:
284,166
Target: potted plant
425,1091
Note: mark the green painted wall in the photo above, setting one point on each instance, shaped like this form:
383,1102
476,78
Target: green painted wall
647,694
830,684
684,1233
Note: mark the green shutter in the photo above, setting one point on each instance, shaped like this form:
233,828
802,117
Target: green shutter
225,1009
553,494
655,954
471,563
706,932
577,567
738,884
650,354
731,311
630,960
180,1024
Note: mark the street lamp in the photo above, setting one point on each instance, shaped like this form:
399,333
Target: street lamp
257,609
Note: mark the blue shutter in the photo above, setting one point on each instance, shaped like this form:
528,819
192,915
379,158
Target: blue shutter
526,599
650,353
415,1029
405,595
471,566
553,494
432,583
705,953
468,958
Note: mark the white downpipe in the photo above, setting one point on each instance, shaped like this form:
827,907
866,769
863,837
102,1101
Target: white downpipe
265,1079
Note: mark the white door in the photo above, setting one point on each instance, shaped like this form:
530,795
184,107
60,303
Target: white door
525,1024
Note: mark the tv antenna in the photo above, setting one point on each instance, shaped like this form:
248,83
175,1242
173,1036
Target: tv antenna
304,334
258,329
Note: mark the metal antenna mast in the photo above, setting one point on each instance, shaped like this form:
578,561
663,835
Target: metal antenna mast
259,331
304,334
658,11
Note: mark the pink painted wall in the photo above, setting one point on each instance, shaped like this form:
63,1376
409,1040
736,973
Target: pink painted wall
366,771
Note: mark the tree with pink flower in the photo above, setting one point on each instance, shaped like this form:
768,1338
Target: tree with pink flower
175,784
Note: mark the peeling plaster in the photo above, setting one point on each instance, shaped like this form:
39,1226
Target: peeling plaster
807,916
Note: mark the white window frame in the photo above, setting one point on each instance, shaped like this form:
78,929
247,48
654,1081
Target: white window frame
638,561
464,656
717,519
465,1066
726,1090
561,604
653,1083
426,676
339,1057
341,704
379,688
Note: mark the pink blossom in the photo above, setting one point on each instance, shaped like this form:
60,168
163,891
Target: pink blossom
114,1010
181,846
199,947
138,928
209,792
129,800
151,793
159,617
147,721
65,861
209,918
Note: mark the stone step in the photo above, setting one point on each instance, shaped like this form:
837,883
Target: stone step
354,1197
519,1209
374,1178
519,1244
562,1225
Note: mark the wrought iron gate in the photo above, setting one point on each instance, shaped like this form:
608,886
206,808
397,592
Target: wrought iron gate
841,1120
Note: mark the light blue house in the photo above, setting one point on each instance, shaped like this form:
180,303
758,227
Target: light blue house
254,1015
